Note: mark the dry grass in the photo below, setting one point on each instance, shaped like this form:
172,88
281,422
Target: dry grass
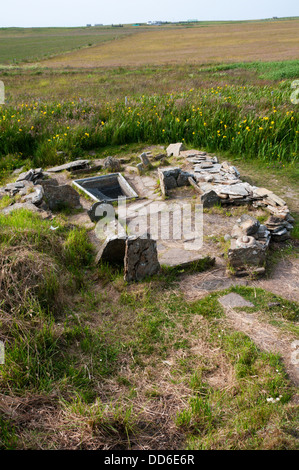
219,43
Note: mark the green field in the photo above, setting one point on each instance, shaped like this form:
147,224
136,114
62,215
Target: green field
19,45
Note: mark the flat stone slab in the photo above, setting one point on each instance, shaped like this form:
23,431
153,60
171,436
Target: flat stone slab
233,300
141,258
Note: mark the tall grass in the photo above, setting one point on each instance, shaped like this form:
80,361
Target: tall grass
249,121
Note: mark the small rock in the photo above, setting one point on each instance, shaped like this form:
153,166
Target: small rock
209,199
233,300
112,250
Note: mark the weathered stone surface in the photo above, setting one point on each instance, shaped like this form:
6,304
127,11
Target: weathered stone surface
281,236
36,196
247,251
92,212
233,300
140,168
31,175
141,258
235,190
26,206
170,182
174,149
168,179
112,250
159,157
76,165
191,153
60,196
248,224
274,200
144,160
209,199
215,168
182,179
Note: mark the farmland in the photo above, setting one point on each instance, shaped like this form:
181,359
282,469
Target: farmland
91,361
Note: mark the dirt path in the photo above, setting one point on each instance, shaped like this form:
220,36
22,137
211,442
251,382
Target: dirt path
268,338
283,281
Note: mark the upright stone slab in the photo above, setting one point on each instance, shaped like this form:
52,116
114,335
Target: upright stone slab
112,250
144,160
141,258
76,165
174,149
112,164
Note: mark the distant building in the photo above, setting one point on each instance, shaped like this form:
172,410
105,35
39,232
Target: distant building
88,25
156,23
99,24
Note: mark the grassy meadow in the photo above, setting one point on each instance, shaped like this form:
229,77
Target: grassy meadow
94,363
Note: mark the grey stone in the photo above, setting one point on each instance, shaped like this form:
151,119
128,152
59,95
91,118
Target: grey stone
26,206
140,168
281,236
274,200
112,250
235,190
31,175
112,164
144,160
209,199
92,212
35,197
60,196
174,149
168,179
247,251
233,300
75,165
182,179
248,224
141,258
170,182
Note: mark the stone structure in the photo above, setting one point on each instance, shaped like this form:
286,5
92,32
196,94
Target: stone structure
138,255
174,149
141,258
112,164
112,250
171,178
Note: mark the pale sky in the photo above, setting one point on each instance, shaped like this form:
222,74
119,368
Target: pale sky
37,13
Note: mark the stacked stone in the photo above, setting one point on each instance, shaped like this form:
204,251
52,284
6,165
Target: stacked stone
280,226
31,175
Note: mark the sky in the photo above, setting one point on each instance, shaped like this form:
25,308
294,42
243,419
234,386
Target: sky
39,13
